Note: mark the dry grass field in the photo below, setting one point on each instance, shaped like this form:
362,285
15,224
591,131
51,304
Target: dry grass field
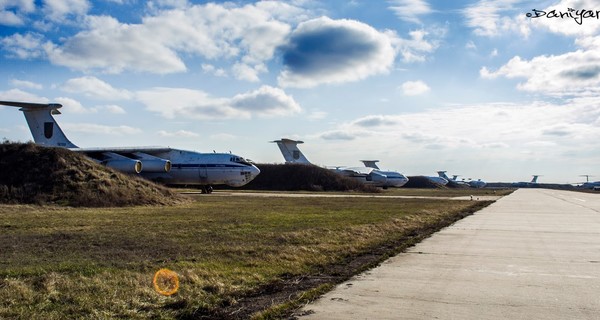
236,257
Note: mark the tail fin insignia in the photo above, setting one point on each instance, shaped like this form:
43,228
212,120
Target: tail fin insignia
43,126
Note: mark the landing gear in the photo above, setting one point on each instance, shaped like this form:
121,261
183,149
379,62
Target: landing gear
207,189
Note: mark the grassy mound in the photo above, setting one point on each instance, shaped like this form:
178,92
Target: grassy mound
422,182
40,175
296,177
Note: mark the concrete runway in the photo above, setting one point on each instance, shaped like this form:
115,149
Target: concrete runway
534,254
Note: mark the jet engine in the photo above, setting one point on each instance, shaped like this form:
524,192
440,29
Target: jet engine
127,166
121,163
152,163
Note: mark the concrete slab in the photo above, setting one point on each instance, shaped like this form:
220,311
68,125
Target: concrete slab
532,255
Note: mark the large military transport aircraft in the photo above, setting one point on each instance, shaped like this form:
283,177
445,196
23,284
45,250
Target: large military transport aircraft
161,164
531,183
471,183
394,178
291,154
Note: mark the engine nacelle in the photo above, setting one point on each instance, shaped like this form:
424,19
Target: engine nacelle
120,163
152,163
124,165
377,178
157,165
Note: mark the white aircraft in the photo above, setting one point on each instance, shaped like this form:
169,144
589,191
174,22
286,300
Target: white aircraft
437,180
291,154
394,178
160,164
471,183
531,183
595,185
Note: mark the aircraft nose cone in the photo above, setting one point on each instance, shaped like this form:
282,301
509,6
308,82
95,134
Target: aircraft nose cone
254,172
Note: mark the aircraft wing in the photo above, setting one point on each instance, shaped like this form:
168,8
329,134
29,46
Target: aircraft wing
130,159
123,149
357,170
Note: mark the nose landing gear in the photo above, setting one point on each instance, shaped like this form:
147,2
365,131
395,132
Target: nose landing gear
207,189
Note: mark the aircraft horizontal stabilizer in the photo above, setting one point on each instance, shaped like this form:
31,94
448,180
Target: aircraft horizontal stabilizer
29,105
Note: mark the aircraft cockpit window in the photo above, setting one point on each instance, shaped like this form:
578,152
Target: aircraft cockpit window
240,160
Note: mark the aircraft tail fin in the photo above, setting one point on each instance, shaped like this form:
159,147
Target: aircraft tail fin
442,174
289,150
535,177
43,126
370,163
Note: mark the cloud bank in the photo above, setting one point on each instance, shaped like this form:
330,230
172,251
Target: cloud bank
333,51
195,104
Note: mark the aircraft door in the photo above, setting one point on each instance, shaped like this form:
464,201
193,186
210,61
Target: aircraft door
203,174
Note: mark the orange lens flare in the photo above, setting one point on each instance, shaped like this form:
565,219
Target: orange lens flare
166,282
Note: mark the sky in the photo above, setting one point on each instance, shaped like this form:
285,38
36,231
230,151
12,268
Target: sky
497,90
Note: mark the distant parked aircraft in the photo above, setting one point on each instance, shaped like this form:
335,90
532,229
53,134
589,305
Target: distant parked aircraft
161,164
437,180
291,154
531,183
595,185
471,183
394,178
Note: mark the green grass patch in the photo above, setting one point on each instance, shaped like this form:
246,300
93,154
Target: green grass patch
58,262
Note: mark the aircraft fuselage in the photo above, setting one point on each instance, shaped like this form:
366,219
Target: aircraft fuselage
193,168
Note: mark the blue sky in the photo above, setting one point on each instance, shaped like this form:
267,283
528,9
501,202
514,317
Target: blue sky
476,88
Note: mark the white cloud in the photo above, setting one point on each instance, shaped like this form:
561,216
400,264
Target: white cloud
180,102
101,129
20,95
575,73
334,51
417,46
94,87
10,19
548,18
28,46
12,11
26,84
572,73
210,69
59,10
178,134
72,105
222,137
243,71
414,88
112,108
339,135
113,47
248,35
266,101
410,10
490,18
375,121
527,134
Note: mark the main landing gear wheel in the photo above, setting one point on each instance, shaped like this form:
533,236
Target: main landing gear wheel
207,189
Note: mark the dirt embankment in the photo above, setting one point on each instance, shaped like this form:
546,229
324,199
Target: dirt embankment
303,177
32,174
